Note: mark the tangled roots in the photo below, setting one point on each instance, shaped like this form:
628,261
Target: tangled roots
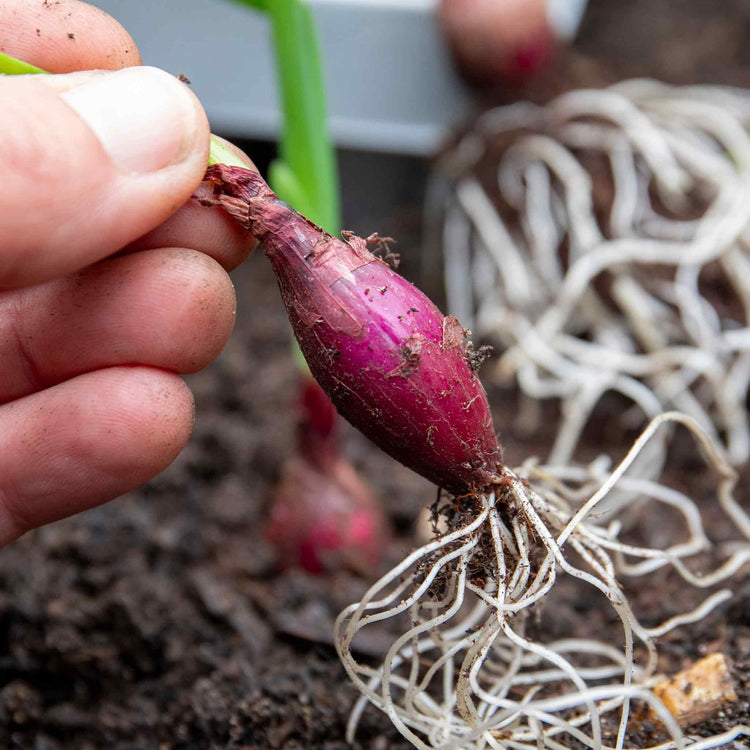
469,668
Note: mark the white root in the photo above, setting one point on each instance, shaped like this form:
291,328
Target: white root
467,668
627,305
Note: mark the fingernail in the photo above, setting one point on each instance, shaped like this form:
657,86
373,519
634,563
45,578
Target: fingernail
144,118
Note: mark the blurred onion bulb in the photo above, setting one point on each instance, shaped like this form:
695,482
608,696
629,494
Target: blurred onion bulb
323,517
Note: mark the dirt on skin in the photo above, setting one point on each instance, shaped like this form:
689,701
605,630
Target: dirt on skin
160,620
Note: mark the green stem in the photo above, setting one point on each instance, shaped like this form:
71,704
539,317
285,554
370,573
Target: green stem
305,174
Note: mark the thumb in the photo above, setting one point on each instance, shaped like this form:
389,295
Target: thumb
91,161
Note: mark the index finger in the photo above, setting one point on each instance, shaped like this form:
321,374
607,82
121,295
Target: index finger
61,36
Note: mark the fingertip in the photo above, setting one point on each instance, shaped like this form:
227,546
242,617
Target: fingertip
93,166
147,422
131,423
64,36
86,441
171,413
169,308
210,307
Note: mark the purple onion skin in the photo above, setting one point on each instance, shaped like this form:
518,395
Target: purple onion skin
392,364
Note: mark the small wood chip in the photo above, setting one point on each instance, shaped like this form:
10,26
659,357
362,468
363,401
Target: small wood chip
698,692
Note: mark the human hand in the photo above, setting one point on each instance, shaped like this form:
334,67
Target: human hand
111,282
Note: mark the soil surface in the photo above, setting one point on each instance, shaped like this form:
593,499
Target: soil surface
161,621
